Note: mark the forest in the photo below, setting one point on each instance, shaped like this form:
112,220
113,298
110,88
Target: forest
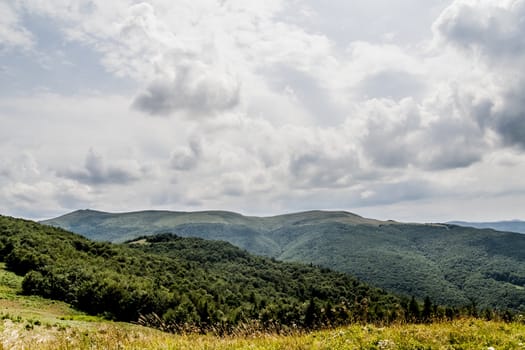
189,284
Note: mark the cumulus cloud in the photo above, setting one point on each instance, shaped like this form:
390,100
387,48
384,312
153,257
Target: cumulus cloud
196,88
494,33
409,134
492,29
96,172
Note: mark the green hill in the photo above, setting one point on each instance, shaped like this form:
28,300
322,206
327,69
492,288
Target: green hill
176,283
509,226
453,265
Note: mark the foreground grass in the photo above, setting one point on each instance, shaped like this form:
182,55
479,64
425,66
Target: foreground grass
37,323
462,334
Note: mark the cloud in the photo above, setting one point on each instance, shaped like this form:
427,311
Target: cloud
96,172
196,88
492,29
493,33
187,158
42,198
402,134
233,184
510,120
316,169
391,84
12,33
22,166
396,192
307,90
389,128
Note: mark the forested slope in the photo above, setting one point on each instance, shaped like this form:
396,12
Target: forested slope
179,283
451,264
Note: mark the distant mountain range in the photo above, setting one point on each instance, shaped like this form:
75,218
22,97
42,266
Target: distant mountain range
509,226
451,264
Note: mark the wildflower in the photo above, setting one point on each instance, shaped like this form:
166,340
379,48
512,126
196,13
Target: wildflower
386,344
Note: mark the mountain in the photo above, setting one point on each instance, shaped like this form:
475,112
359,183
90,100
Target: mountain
243,231
177,283
453,265
509,226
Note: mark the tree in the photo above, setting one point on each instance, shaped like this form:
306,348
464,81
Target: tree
311,314
413,310
426,315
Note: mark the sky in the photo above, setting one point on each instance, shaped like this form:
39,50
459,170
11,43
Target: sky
407,110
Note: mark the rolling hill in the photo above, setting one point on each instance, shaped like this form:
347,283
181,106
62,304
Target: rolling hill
451,264
186,284
509,226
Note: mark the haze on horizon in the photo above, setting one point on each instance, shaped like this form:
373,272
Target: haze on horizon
405,110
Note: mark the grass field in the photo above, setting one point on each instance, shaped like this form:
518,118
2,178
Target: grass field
464,334
37,323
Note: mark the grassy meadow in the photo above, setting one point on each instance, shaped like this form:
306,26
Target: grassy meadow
463,334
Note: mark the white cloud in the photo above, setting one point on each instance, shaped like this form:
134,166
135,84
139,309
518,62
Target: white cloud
12,33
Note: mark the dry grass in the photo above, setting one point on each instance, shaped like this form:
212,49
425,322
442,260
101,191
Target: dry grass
461,334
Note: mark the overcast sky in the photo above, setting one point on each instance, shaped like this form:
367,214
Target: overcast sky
408,110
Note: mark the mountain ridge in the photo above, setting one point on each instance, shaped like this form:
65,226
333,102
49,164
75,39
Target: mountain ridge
505,225
451,264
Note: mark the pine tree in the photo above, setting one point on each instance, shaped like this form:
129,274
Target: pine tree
310,315
426,315
413,310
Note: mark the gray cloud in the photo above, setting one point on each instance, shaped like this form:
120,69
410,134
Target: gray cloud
448,142
451,144
316,169
96,172
195,88
387,139
233,185
489,28
496,33
511,120
185,159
